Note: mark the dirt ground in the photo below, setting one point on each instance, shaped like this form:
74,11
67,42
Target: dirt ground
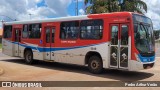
13,69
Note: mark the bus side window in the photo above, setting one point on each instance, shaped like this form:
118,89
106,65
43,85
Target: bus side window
69,30
63,33
25,31
35,31
7,31
91,29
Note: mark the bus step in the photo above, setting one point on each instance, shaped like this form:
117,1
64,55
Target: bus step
49,60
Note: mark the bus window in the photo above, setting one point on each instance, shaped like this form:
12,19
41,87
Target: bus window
53,32
91,29
7,31
124,35
114,34
69,30
25,31
17,35
35,31
48,35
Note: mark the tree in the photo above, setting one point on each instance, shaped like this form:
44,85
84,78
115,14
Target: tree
106,6
156,34
101,6
134,6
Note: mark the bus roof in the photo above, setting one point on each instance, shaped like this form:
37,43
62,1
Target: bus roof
71,18
48,20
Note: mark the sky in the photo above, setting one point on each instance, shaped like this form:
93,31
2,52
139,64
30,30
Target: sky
42,9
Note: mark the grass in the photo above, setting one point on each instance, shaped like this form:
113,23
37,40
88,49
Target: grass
0,45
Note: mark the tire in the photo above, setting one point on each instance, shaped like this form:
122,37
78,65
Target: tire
95,65
29,57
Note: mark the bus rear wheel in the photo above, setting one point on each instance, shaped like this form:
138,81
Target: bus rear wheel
28,57
95,65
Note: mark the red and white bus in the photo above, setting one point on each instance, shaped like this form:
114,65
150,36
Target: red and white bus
120,40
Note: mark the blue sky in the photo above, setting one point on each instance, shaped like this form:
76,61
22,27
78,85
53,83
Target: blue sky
39,9
42,9
70,9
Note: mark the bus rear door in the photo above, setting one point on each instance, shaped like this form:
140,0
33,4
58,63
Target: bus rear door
17,38
49,46
119,48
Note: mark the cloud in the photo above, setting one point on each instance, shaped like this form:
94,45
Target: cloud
78,0
20,9
153,12
81,11
58,6
23,8
12,9
38,1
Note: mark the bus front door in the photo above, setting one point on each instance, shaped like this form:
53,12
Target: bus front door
17,38
119,47
49,47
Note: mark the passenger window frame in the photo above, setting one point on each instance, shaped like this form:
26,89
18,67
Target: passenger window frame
92,23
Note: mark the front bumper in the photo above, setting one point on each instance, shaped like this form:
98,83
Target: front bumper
135,65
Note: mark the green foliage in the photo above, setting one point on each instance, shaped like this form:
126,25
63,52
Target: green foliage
106,6
0,45
156,34
134,6
101,6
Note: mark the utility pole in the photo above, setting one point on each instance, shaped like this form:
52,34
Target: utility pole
76,7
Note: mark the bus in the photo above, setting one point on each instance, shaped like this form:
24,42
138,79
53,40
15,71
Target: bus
119,40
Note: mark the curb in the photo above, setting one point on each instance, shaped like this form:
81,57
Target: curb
1,71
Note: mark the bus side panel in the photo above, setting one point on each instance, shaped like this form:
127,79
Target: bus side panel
7,47
22,47
21,50
8,44
37,55
76,55
32,44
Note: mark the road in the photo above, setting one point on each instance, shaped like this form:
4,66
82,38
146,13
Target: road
15,69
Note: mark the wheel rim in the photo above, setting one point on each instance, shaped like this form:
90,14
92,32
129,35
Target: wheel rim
28,57
94,64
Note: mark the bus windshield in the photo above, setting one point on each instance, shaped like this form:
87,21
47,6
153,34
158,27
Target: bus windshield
143,34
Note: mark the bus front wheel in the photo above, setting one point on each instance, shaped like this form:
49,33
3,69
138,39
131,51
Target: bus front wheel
29,57
95,65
